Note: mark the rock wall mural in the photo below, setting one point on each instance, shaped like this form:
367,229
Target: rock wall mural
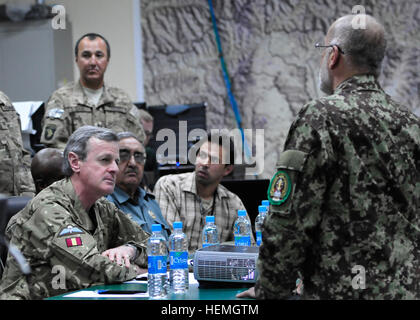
268,47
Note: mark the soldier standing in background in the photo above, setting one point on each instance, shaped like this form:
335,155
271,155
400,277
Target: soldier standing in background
15,177
346,221
89,101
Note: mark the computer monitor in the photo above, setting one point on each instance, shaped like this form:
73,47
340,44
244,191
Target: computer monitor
185,117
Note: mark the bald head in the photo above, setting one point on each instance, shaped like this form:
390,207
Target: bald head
362,40
47,167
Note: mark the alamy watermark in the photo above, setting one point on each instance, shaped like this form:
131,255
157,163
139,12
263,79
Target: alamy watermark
359,20
59,280
359,280
59,20
168,153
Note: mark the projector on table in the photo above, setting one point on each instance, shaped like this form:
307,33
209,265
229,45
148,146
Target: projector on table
226,263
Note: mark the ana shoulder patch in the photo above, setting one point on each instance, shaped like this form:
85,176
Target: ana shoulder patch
279,188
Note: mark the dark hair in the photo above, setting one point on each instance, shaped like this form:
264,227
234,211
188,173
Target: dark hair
221,139
92,36
78,143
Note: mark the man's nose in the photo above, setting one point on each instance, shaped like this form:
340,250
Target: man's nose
132,161
114,167
93,60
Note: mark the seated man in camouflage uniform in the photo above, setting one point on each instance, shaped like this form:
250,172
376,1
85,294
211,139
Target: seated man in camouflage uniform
347,220
71,229
89,101
15,177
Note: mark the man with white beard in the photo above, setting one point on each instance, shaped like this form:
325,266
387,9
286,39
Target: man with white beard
344,221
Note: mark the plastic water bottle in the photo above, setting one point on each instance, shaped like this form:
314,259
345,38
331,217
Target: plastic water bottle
178,255
210,232
267,204
242,230
157,255
259,220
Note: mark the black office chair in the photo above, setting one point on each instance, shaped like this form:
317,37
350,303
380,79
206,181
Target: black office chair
9,206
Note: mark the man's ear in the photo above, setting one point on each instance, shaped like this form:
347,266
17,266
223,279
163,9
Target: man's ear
74,161
334,58
228,169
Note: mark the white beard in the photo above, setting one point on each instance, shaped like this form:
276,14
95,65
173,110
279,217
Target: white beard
324,79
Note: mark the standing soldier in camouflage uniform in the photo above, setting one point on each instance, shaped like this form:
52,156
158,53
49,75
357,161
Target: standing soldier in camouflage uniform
347,220
89,101
15,177
71,236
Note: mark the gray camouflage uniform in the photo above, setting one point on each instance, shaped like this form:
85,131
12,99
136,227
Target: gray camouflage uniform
15,175
349,199
54,230
69,109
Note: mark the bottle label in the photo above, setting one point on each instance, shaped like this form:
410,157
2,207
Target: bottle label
259,237
178,260
242,240
156,264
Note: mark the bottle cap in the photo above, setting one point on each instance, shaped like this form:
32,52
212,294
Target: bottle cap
209,218
156,227
177,225
262,208
241,213
265,203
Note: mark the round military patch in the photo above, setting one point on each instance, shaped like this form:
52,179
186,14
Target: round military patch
279,188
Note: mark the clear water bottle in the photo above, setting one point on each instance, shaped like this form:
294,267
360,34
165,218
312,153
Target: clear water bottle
157,255
210,232
242,230
259,220
178,255
267,204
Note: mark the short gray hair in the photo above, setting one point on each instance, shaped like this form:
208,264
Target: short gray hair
78,143
126,135
365,48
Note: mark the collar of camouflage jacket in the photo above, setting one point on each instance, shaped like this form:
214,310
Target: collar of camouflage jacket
81,217
79,96
359,83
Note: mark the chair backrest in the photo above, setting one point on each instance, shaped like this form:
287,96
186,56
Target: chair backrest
9,206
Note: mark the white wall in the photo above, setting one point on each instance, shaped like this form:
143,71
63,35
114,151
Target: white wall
115,21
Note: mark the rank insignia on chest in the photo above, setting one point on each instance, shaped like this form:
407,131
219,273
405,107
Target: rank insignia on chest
279,188
73,242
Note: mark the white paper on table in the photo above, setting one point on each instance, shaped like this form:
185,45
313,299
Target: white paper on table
191,278
95,294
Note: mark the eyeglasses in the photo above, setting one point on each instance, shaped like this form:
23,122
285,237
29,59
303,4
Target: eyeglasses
125,155
319,45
